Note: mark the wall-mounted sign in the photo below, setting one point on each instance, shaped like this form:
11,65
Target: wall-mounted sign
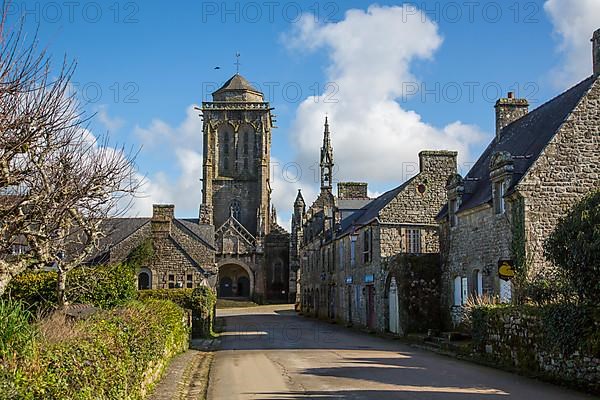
348,279
506,270
369,278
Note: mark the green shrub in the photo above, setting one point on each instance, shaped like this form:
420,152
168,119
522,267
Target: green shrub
104,286
116,354
574,247
17,336
201,301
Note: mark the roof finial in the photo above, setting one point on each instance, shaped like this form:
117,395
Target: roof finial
237,62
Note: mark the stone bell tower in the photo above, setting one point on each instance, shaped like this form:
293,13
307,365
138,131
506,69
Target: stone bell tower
237,149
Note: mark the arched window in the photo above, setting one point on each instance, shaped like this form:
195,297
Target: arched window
144,280
236,210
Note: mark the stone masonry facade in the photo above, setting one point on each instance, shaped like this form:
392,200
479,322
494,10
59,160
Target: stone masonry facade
252,250
181,256
538,166
342,260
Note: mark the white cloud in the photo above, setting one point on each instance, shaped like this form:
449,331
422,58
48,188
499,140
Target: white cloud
574,21
111,124
370,56
181,186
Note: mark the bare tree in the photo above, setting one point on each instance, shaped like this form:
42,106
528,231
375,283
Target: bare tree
57,181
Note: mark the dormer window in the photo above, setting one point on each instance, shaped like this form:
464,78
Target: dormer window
452,209
455,189
501,170
499,205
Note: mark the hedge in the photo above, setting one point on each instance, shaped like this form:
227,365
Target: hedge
201,301
103,286
116,354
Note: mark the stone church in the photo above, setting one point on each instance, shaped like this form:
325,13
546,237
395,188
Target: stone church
252,250
236,245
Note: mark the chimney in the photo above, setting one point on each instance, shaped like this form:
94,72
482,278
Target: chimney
596,52
352,190
441,162
508,110
162,216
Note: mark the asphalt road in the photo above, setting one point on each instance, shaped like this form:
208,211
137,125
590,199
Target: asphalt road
271,353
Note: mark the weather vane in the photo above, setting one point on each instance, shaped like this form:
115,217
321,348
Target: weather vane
237,62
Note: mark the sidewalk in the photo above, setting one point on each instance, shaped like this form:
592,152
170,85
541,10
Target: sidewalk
186,377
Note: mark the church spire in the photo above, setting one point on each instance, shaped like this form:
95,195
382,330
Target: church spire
326,159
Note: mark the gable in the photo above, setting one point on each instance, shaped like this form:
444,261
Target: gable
233,238
524,139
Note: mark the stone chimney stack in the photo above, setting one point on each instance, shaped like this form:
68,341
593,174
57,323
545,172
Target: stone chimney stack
508,110
162,217
596,52
352,190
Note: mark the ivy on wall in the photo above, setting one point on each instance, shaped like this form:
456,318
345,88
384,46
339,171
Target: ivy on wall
141,254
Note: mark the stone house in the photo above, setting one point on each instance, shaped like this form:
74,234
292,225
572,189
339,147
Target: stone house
343,242
183,254
537,166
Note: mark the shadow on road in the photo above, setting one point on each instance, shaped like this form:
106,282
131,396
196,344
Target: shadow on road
328,361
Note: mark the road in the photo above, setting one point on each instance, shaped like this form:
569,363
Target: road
271,353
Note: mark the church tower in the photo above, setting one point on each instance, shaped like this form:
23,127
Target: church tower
326,160
252,250
237,150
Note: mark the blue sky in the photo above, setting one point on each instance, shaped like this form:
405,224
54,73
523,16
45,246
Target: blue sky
406,76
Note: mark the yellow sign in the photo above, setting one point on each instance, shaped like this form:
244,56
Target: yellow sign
506,270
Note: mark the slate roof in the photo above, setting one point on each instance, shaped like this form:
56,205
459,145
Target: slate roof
524,139
193,226
371,210
236,82
118,229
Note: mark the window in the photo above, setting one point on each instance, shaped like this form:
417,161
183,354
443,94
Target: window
460,291
246,163
477,283
236,210
352,250
367,241
452,209
413,241
499,197
171,281
341,249
19,249
190,281
457,291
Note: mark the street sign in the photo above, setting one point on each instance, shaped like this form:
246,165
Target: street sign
506,270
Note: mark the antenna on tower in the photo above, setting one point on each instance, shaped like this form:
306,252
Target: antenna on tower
237,62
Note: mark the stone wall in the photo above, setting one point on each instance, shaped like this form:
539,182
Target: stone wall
519,338
568,168
476,243
425,194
